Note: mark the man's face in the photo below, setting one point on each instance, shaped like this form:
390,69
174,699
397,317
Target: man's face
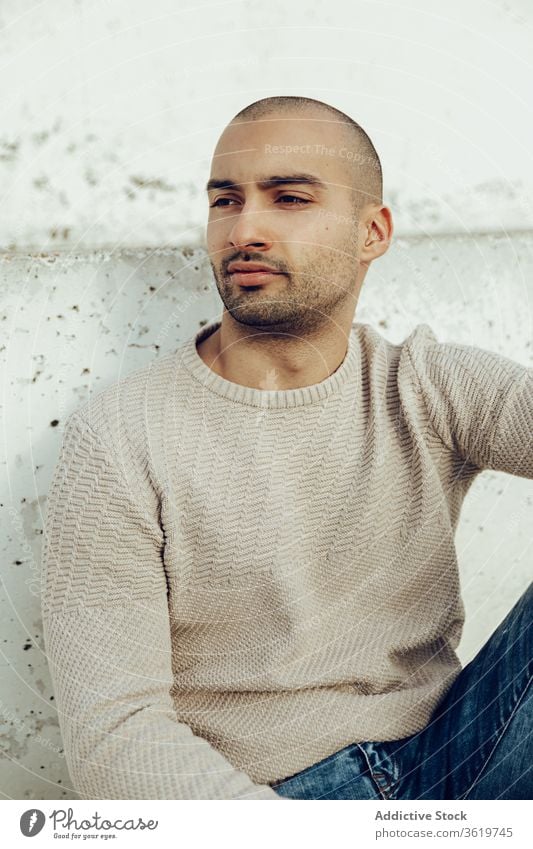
305,231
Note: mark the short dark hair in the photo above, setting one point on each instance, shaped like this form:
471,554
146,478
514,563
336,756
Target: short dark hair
367,171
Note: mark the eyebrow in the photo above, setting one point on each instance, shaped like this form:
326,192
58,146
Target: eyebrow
271,182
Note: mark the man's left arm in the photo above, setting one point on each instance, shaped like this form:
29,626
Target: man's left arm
512,446
479,402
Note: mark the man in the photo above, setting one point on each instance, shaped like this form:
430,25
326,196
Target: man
251,585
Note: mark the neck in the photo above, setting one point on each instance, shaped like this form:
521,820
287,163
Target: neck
263,359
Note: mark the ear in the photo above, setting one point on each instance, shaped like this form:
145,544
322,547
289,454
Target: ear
377,229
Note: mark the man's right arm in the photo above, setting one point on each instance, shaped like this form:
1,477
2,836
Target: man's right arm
107,636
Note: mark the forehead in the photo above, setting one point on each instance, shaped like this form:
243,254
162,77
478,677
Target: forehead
251,150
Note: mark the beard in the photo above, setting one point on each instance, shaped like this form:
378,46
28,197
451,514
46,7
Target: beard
301,302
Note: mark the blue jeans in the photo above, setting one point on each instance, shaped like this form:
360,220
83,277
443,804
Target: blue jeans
477,745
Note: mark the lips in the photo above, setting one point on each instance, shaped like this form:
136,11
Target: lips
252,273
250,267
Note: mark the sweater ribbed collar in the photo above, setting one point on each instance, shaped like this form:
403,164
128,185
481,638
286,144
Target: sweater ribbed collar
270,398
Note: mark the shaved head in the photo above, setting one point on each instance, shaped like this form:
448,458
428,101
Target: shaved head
363,166
295,187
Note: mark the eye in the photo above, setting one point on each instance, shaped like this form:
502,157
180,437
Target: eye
298,200
219,200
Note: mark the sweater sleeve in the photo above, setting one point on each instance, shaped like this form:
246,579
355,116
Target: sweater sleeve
107,637
479,403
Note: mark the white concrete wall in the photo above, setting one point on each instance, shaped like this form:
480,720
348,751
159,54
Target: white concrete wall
111,110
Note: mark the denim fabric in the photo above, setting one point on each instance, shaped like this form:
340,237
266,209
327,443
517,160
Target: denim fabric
477,745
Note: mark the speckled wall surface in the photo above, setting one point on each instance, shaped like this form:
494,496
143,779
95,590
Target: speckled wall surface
74,323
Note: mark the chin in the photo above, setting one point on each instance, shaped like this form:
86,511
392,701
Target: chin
288,323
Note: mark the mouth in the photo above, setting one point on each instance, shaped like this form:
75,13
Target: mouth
252,274
253,278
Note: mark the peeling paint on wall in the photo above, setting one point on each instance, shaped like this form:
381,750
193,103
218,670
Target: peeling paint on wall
112,146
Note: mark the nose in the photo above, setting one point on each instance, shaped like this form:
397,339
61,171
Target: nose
250,229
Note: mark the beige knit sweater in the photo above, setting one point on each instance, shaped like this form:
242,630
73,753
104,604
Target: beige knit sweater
239,582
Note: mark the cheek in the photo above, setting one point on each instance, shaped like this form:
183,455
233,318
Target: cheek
214,236
313,233
331,233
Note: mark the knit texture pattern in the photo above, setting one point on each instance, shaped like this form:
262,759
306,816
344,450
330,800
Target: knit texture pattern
239,582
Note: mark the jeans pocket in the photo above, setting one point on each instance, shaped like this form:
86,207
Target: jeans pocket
342,775
383,766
